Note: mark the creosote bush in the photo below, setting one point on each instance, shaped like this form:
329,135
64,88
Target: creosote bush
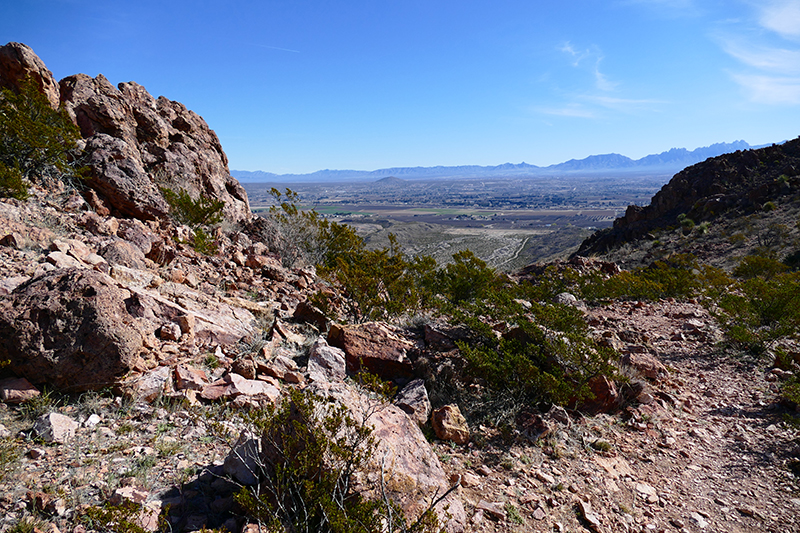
36,141
312,450
198,214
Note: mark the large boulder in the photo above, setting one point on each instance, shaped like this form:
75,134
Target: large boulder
71,328
137,144
18,62
411,469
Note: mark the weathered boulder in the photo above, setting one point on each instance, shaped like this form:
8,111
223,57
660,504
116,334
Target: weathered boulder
373,347
70,328
450,424
645,364
138,144
18,62
412,471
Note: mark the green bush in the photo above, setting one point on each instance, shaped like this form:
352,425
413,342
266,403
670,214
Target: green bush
35,140
311,452
759,311
204,211
675,277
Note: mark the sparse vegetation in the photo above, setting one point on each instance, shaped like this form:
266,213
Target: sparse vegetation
36,141
198,214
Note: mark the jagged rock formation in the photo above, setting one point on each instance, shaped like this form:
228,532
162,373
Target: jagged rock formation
134,143
740,182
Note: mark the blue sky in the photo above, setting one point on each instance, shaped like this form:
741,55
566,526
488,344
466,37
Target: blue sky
298,86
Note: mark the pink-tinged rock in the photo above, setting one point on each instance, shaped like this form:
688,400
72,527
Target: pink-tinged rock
152,384
450,424
17,390
373,347
278,367
326,363
187,377
70,328
234,385
413,399
494,509
19,62
645,364
128,132
13,240
7,285
62,260
606,396
244,463
128,494
411,468
55,427
307,312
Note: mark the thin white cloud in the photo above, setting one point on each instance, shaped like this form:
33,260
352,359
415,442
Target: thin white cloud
569,110
591,57
770,89
625,104
782,17
772,59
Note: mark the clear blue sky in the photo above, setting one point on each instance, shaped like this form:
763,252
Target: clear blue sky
298,86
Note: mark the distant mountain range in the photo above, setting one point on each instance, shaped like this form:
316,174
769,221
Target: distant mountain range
670,161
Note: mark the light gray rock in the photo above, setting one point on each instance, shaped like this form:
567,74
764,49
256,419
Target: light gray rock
55,427
326,363
413,399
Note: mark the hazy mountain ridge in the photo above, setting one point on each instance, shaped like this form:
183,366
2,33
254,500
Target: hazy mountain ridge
673,160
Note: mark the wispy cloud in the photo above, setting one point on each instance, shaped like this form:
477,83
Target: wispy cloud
782,17
625,104
768,52
574,110
589,59
279,48
770,89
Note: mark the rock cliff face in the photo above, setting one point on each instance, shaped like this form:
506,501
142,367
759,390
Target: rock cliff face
134,143
740,182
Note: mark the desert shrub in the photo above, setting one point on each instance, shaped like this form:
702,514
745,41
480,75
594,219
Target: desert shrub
12,184
686,223
466,278
768,206
759,311
311,453
381,283
752,266
198,214
203,211
122,518
544,353
9,456
675,277
35,140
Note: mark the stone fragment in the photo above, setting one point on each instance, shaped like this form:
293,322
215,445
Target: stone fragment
585,509
245,367
234,385
55,427
413,399
412,470
307,312
494,509
450,424
188,377
647,492
62,260
152,384
699,519
17,390
170,332
326,363
13,240
278,367
645,364
373,347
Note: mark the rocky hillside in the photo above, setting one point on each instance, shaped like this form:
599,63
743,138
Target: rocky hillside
134,144
721,194
148,383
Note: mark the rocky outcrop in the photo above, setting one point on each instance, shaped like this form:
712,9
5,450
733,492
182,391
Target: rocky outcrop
741,181
136,143
19,62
